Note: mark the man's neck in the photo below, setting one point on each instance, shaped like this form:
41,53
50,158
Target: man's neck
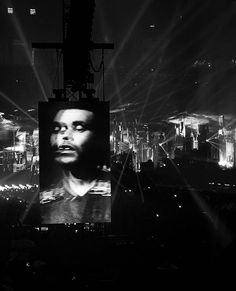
77,186
80,182
81,173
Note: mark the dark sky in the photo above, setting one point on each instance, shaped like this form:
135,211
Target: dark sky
169,56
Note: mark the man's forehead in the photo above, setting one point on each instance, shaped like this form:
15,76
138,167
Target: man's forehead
71,115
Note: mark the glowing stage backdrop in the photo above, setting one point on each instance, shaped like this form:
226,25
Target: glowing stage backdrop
74,151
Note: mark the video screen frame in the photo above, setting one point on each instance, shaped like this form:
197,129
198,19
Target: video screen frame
74,151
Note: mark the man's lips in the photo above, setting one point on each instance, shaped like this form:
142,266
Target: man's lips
65,149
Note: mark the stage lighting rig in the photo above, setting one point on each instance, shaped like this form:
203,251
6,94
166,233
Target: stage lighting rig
76,48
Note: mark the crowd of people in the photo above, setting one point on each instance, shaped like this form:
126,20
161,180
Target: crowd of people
150,237
92,224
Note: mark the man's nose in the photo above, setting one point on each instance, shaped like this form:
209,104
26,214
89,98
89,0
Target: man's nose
67,134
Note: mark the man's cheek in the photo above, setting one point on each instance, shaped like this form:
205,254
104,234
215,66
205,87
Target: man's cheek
54,140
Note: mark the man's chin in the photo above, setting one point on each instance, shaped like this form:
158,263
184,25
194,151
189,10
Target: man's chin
65,160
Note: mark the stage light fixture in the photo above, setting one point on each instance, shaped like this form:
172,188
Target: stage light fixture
10,10
32,11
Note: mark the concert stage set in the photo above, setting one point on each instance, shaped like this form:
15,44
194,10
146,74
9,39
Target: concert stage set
168,181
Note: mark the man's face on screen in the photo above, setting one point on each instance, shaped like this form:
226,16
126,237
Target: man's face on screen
72,135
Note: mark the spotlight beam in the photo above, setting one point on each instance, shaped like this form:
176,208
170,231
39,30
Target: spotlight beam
131,29
148,95
225,235
215,146
142,61
28,54
119,179
119,96
215,143
168,139
167,154
4,179
156,49
140,188
132,91
213,136
18,107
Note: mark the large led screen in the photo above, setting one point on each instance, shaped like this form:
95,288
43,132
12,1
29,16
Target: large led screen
74,149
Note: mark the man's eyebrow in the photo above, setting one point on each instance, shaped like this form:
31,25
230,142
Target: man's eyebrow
79,122
57,123
74,123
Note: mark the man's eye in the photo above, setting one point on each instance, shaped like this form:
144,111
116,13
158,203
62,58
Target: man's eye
56,128
79,127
